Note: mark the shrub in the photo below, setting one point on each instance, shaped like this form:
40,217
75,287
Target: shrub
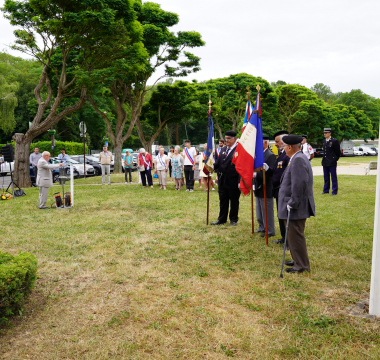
72,148
17,278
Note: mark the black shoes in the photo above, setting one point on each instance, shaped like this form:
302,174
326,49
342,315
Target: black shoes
289,263
333,194
269,235
279,241
44,208
293,271
233,223
259,231
323,193
217,222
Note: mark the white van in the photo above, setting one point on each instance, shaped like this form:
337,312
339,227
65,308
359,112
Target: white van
347,148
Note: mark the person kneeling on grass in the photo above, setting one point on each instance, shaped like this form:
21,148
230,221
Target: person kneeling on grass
161,165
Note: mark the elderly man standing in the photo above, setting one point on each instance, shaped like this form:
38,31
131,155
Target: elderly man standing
296,197
44,178
33,160
269,163
105,158
229,179
279,168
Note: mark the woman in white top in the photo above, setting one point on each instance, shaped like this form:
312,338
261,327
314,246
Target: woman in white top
162,167
197,175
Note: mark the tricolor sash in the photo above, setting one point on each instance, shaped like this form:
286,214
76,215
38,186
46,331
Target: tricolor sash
204,155
146,163
189,156
217,151
161,162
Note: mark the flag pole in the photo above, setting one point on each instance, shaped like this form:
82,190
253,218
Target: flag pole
208,175
265,190
252,209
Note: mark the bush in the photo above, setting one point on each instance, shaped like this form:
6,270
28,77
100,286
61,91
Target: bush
17,278
72,148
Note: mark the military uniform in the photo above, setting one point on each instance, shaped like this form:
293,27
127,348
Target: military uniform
331,154
228,185
279,168
270,160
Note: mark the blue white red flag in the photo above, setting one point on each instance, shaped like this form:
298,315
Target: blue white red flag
248,114
249,153
208,167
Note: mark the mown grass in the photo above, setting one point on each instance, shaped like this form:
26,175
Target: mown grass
133,273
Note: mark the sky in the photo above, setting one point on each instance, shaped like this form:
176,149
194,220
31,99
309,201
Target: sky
334,42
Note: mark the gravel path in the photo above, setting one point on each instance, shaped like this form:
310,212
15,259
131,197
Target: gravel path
346,170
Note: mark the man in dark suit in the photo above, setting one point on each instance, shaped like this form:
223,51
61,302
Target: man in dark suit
331,155
229,179
279,168
217,153
269,162
296,197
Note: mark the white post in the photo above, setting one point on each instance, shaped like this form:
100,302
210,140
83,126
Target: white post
72,184
374,297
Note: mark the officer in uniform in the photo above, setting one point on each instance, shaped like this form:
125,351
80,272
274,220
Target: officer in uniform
229,179
307,149
269,160
331,154
279,168
296,199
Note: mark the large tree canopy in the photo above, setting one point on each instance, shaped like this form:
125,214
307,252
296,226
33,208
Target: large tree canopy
75,41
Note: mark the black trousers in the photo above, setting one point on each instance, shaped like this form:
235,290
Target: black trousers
148,175
189,176
227,197
281,223
126,172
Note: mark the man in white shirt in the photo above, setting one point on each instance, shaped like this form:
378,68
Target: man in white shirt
189,154
307,149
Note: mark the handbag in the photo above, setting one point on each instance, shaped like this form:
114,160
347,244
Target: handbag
141,168
19,192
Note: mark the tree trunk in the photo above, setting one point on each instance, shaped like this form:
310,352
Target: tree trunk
118,149
217,127
21,174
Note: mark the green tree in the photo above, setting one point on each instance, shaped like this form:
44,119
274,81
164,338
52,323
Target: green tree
323,92
129,91
8,103
75,41
289,99
168,104
362,101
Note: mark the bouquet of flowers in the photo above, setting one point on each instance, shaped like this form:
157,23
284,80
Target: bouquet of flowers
5,196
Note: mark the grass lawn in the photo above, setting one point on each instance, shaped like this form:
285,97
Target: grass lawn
133,273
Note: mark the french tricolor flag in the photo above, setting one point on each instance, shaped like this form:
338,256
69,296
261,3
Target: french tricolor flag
248,114
249,153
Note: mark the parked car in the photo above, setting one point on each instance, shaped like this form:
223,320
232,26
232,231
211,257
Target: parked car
368,150
90,171
96,165
358,151
55,175
318,152
347,148
5,168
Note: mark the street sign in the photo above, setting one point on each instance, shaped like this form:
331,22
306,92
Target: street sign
82,127
81,135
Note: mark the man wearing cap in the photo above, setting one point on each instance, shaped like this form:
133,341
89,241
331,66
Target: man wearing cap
331,154
229,179
307,149
279,168
269,162
296,197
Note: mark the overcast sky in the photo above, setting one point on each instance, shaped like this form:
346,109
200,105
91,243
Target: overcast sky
335,42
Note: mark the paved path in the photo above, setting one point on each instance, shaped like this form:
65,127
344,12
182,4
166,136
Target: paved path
345,170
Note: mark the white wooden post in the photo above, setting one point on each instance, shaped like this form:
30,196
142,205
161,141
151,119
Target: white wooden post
374,298
72,184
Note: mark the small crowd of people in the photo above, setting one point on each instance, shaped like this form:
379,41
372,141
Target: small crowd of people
288,179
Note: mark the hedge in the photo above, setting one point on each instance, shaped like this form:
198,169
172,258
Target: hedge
72,148
17,278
